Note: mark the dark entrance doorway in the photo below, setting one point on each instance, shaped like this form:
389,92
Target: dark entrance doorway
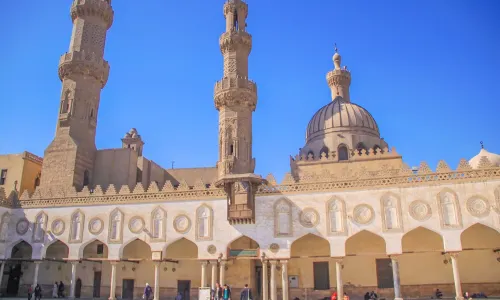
15,274
97,284
78,288
321,275
184,287
128,289
384,273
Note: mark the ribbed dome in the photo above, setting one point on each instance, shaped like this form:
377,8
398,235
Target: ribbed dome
492,157
340,115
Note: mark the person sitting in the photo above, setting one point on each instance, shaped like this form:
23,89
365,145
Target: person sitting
438,294
334,296
367,296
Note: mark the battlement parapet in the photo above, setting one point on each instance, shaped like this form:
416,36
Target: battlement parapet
324,181
233,40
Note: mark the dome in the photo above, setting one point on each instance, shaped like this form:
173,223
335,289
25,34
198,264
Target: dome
492,157
338,116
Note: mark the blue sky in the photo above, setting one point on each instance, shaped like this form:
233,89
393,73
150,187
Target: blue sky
427,70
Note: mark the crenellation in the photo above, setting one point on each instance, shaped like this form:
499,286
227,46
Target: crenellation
139,188
442,167
124,190
153,187
93,8
111,190
168,187
98,191
424,169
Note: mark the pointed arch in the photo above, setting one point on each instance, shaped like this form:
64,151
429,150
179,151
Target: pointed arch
336,216
93,248
181,249
56,250
115,228
40,227
392,219
243,244
422,239
19,249
480,236
310,245
158,224
361,146
365,242
4,227
135,249
204,223
283,226
77,222
449,209
324,150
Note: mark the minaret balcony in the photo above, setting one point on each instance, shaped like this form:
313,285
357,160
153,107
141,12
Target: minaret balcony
80,62
93,8
236,82
235,91
234,40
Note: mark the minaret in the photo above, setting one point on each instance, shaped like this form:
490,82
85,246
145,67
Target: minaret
69,159
235,98
339,79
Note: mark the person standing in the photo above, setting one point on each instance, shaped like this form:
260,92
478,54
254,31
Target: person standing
30,292
38,292
147,292
55,290
246,293
61,289
226,293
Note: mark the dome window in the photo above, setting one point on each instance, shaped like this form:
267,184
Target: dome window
324,150
360,148
343,154
231,150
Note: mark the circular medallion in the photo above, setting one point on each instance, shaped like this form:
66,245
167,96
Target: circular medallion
309,217
420,210
211,249
363,214
57,227
478,207
136,224
96,225
182,224
22,226
274,247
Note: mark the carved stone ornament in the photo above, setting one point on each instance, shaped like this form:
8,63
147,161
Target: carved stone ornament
478,207
57,227
182,224
136,224
274,248
309,217
211,249
96,225
22,226
363,214
420,210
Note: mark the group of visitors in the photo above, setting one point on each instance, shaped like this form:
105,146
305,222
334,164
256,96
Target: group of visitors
38,292
466,295
223,292
371,296
336,297
57,291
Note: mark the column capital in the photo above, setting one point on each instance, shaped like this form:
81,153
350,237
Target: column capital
284,262
204,262
395,257
223,262
338,259
273,262
114,262
37,262
213,262
454,254
157,262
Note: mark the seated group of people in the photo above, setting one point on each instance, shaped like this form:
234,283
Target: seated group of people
466,295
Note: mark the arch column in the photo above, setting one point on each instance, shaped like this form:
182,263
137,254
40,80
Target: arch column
456,276
73,279
265,292
2,267
395,277
340,284
156,293
204,273
35,274
214,273
112,289
274,290
222,272
284,278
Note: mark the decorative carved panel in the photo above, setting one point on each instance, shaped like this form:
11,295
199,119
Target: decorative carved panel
4,227
204,223
283,226
115,230
420,210
158,225
449,210
336,217
58,226
363,214
478,206
391,213
309,217
76,227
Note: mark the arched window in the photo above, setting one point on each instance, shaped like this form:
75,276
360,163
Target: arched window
231,149
204,223
324,150
158,223
76,232
92,113
377,149
343,154
115,226
360,147
37,181
310,154
86,179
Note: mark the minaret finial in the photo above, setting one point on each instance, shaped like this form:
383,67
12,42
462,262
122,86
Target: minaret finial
482,145
336,49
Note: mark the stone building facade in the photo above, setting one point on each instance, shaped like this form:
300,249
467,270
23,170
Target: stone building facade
350,216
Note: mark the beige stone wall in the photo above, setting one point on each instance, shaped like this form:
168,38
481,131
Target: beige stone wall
14,164
116,166
31,171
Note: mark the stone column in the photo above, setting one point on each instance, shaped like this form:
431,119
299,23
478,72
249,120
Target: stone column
265,282
395,278
214,273
203,274
222,272
35,274
156,292
112,289
340,284
73,279
2,267
284,278
456,276
274,290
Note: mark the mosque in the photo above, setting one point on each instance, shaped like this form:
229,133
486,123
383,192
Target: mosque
350,216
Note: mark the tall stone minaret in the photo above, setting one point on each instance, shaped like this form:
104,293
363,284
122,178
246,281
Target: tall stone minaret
235,98
69,159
